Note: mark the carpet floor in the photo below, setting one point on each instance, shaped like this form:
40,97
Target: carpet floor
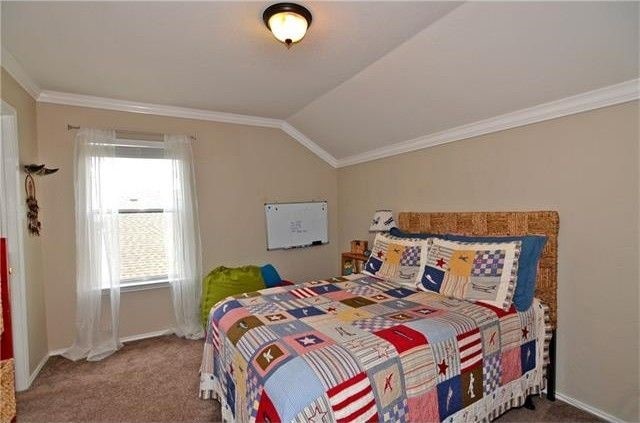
156,380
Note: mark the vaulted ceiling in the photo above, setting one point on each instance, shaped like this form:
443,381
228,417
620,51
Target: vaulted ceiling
208,55
368,75
479,61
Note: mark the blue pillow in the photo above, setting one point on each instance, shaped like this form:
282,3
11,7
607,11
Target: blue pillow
270,276
402,234
530,251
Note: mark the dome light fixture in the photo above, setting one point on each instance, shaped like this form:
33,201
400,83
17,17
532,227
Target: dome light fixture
287,21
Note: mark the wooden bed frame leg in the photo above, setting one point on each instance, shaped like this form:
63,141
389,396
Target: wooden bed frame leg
551,371
528,403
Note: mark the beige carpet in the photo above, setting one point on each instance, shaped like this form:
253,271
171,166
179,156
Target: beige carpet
156,380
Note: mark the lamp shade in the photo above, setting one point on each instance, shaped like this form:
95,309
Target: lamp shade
288,27
382,221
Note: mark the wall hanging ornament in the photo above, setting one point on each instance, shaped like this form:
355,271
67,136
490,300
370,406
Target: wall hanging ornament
33,224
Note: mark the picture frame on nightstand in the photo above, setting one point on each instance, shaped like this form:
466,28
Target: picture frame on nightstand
352,263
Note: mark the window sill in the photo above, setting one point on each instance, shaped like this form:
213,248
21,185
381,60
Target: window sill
140,286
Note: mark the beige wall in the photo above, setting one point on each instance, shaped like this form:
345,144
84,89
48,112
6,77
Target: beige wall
25,106
238,169
586,167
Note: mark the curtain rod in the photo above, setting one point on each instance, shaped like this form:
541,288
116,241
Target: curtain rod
70,127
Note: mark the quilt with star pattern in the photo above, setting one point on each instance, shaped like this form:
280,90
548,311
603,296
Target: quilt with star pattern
363,349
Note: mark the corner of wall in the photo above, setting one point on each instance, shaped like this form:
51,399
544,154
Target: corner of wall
25,105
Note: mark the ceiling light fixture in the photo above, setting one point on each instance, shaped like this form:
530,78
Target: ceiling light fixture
287,21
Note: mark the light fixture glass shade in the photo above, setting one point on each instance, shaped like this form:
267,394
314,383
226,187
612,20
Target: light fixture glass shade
288,27
382,221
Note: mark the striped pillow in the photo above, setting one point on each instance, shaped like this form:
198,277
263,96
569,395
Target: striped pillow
476,271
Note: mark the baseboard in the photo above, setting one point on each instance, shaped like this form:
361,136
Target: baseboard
36,371
588,408
126,339
147,335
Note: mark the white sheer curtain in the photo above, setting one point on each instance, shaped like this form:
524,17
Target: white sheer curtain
183,238
97,247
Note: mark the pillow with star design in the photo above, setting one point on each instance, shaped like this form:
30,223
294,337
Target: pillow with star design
395,259
475,271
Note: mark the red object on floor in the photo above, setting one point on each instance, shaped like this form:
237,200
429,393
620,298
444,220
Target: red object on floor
285,283
6,339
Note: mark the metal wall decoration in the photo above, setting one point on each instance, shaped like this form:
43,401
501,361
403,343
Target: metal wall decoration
33,224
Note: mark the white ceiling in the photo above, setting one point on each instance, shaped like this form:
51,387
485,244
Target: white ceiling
479,61
209,55
368,74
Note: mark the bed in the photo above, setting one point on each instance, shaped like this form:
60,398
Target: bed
360,348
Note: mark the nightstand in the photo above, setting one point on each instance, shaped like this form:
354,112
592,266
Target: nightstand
357,261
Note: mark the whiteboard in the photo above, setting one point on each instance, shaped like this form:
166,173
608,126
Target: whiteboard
291,225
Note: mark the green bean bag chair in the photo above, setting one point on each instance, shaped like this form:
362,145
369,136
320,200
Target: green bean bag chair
223,282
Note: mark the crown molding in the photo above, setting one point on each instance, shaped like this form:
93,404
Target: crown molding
591,100
304,140
11,65
95,102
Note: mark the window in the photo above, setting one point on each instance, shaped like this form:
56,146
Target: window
142,176
146,188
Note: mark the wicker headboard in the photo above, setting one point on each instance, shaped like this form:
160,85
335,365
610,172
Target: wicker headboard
500,224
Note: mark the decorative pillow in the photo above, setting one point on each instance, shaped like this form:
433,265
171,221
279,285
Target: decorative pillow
477,271
270,276
223,282
530,252
395,259
402,234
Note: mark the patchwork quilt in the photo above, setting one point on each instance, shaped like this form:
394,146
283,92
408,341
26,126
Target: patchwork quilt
362,349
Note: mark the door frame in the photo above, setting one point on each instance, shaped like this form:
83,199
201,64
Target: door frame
12,223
